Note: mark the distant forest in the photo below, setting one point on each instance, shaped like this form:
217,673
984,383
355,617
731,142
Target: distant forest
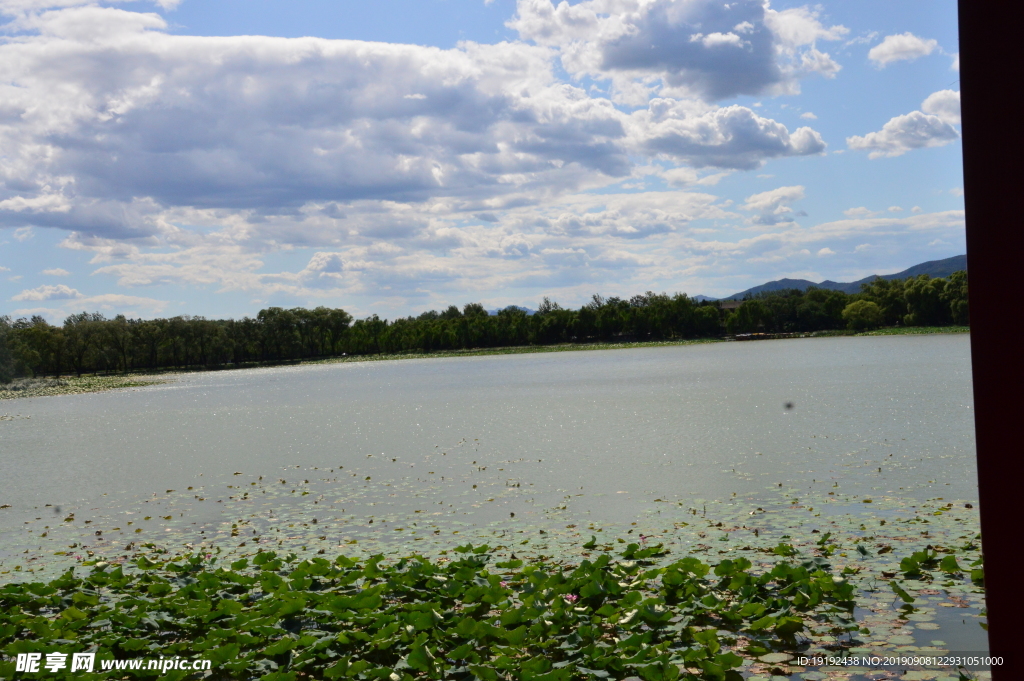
91,343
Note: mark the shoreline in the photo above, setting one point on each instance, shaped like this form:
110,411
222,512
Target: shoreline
93,383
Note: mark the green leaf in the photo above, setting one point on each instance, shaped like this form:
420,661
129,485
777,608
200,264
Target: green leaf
337,670
517,636
907,598
787,626
281,646
420,658
484,673
225,653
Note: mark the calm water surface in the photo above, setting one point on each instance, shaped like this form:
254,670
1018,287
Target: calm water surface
705,420
531,452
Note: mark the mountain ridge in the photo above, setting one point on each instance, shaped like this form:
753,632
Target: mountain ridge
933,268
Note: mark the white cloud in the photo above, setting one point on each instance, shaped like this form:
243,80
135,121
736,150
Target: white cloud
23,7
860,212
945,104
703,48
773,205
809,116
729,137
401,173
825,252
47,292
957,191
109,304
119,303
4,269
865,39
568,248
56,272
329,135
955,66
915,209
52,315
23,233
895,209
901,47
914,130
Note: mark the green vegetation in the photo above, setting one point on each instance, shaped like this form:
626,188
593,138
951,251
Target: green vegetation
915,330
915,302
863,314
260,592
70,385
278,618
90,343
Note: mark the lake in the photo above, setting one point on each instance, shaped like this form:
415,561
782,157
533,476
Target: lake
719,449
664,421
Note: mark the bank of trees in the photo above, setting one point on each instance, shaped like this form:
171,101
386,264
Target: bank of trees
917,301
90,343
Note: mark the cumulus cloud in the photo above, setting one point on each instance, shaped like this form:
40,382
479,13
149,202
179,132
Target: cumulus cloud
825,252
149,120
930,127
709,49
56,272
515,246
23,7
915,130
109,304
728,137
150,126
773,206
901,47
47,292
118,302
398,172
809,116
945,104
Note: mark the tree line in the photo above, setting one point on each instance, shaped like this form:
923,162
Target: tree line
91,343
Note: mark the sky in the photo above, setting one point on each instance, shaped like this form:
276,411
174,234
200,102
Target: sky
178,157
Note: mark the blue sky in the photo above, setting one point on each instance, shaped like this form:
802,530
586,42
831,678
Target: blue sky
213,158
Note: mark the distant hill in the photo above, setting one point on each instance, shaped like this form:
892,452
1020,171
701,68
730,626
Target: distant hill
527,310
933,268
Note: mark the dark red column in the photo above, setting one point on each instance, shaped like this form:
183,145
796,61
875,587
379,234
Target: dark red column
993,119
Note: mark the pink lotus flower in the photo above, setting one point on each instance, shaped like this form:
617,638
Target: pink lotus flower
571,598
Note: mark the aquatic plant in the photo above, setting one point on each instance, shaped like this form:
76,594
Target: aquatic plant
278,617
